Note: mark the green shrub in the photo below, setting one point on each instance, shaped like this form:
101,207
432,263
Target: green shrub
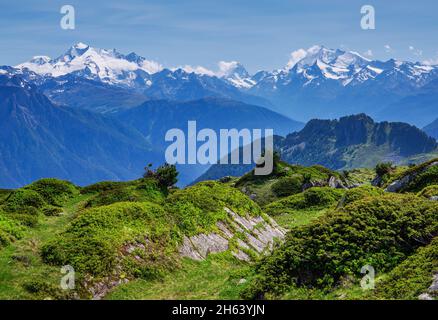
198,208
43,290
55,192
360,193
384,168
52,211
9,230
428,192
318,197
314,173
166,175
146,190
4,194
21,200
28,220
287,186
94,240
412,277
380,231
321,197
104,186
112,196
424,179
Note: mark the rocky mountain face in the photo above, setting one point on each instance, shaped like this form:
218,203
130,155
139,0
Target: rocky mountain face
350,142
354,141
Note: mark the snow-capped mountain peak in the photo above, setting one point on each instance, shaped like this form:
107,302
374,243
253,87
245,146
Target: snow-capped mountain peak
347,67
306,68
235,73
75,51
107,65
40,60
336,58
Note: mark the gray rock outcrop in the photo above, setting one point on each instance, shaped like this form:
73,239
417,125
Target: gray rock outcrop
400,184
432,292
254,235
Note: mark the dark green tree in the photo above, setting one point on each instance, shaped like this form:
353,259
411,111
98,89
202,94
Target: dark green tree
167,175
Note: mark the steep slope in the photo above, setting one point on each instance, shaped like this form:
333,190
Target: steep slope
88,94
418,108
432,129
155,118
350,142
354,141
39,139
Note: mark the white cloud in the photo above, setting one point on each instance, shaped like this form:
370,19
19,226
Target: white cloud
415,51
368,53
388,48
432,61
295,57
226,68
198,70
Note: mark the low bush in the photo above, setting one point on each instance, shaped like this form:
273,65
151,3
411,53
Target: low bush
424,179
104,186
55,192
10,230
428,192
21,200
412,277
313,173
287,186
198,208
312,198
384,168
360,193
112,196
379,231
43,290
146,190
94,240
28,220
52,211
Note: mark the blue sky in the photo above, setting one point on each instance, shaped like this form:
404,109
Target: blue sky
259,33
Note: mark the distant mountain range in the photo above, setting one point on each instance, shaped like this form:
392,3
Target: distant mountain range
350,142
155,118
354,141
41,139
316,83
93,114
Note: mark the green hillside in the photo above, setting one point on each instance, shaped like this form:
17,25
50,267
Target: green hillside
145,240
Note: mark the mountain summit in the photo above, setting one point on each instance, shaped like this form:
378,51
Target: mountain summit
317,82
106,65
